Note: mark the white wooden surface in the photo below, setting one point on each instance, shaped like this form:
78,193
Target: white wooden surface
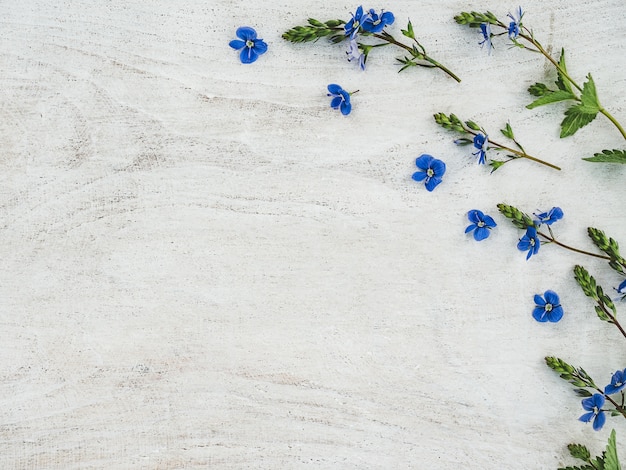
204,266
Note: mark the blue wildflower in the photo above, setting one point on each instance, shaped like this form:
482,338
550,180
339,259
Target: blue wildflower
480,142
431,171
530,241
375,23
355,53
251,47
618,382
594,406
485,29
621,290
550,216
481,224
341,99
547,308
515,25
353,26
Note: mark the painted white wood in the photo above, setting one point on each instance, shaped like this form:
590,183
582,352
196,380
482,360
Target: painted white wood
204,266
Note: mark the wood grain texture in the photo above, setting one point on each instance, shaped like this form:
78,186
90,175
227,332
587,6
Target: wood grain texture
204,266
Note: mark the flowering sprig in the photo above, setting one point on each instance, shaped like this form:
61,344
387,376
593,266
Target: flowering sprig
482,142
525,222
366,24
586,104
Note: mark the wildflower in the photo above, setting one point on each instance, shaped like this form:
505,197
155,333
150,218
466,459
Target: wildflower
375,23
480,142
550,216
547,308
251,47
353,26
341,99
485,29
621,290
355,53
594,406
529,242
481,224
618,382
515,25
431,171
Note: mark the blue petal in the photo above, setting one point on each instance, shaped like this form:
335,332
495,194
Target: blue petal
539,300
336,102
539,314
551,297
622,286
237,44
598,400
387,17
481,233
475,216
470,228
246,33
260,46
432,183
419,176
523,244
346,107
423,161
248,55
489,222
599,421
556,314
334,88
587,417
438,167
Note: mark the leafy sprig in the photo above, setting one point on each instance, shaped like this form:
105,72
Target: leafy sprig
415,52
522,221
453,123
607,461
585,102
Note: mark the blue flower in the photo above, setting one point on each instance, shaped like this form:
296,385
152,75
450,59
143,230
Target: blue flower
480,142
618,382
550,216
485,29
547,308
375,23
515,25
355,53
251,47
594,406
352,27
529,242
431,171
481,224
341,99
621,290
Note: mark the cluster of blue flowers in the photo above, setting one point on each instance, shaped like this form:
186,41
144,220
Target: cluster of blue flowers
514,29
364,22
530,241
593,405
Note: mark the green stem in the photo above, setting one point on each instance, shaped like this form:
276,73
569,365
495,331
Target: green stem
552,239
390,39
516,152
614,121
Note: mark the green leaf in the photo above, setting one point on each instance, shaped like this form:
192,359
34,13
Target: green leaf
552,97
562,82
584,467
589,96
518,218
581,392
609,156
508,131
611,462
408,32
579,452
576,117
495,164
472,125
539,89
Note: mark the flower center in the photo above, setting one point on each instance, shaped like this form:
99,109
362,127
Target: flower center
356,24
481,224
532,242
250,43
377,22
430,172
548,307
